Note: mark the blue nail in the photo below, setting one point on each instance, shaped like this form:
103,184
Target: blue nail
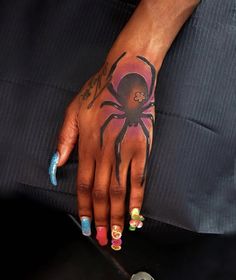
86,226
53,168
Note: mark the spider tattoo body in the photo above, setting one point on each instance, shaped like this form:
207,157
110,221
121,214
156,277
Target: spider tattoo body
133,97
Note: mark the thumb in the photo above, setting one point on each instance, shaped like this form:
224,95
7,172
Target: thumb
68,136
66,141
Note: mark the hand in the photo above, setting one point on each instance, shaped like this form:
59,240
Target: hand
113,115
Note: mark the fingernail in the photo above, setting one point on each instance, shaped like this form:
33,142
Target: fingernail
86,225
116,244
135,213
116,233
136,219
102,236
53,168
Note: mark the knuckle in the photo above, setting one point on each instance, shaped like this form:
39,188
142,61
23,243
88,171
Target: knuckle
117,217
100,220
83,189
138,200
108,138
84,211
66,139
138,178
137,144
139,139
117,192
62,139
100,195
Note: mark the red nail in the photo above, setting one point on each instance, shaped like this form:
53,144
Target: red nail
102,236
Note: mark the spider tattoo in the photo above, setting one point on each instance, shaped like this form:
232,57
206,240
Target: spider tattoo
133,97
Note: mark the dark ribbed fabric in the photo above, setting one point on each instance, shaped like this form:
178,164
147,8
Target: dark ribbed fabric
50,48
191,175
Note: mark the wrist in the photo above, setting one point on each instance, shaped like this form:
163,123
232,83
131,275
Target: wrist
153,55
152,29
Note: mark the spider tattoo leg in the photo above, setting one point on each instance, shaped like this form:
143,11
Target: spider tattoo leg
153,71
148,106
113,67
111,89
111,103
118,149
148,116
105,124
146,133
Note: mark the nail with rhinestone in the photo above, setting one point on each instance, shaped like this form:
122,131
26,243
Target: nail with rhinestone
116,234
136,219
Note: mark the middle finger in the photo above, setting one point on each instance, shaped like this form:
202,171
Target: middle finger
100,196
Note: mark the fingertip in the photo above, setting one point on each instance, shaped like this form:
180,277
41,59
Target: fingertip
67,137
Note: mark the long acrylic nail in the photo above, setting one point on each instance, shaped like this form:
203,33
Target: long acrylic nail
136,219
116,244
53,168
102,236
116,233
135,213
86,225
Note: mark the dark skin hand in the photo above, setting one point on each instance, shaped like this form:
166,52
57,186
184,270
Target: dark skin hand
113,114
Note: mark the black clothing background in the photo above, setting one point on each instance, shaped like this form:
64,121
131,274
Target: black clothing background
40,244
48,49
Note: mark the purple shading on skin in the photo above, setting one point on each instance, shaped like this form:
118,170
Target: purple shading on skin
132,86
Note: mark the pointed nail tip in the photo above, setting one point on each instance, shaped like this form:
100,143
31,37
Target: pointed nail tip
53,168
86,234
53,180
54,184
